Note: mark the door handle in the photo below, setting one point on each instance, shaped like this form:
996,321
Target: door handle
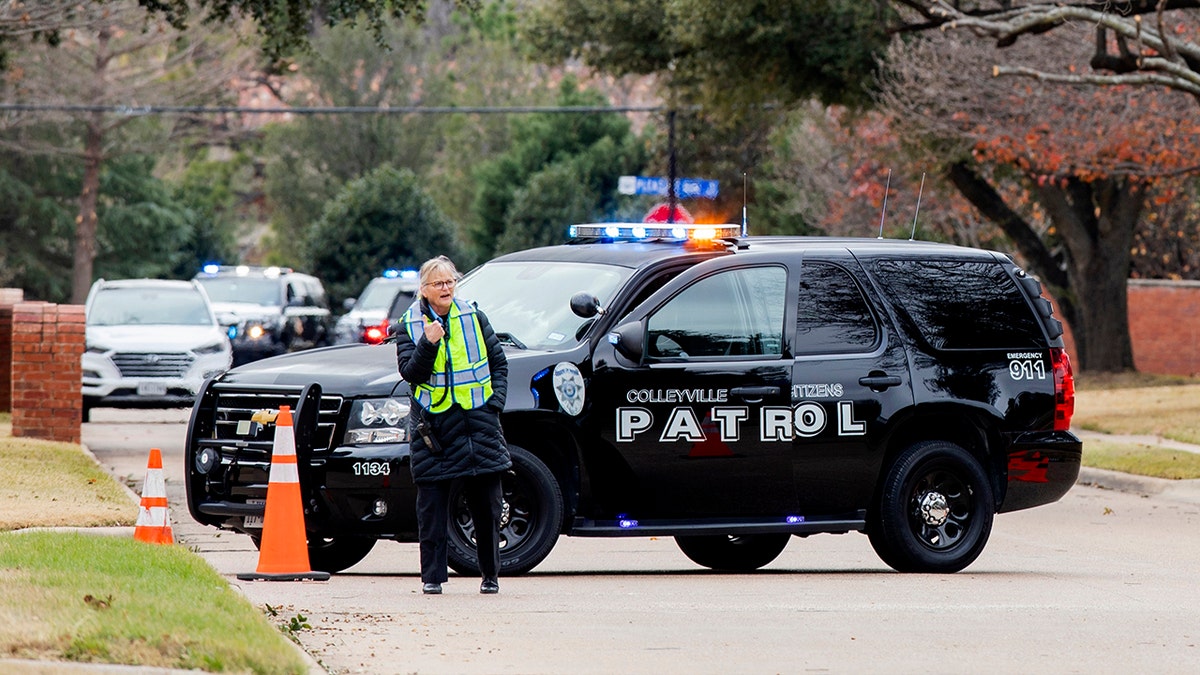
878,381
754,394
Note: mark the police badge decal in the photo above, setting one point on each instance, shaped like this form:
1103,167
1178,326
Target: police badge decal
568,387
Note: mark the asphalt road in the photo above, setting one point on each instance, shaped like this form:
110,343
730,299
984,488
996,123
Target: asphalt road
1104,581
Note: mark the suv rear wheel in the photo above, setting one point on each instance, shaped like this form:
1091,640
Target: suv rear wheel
935,510
530,522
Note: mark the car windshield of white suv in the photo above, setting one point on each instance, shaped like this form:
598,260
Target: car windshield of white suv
529,303
254,290
378,295
149,306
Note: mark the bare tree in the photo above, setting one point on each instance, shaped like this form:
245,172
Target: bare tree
118,54
1064,171
1134,42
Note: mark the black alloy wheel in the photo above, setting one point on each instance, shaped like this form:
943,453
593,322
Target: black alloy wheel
935,510
530,521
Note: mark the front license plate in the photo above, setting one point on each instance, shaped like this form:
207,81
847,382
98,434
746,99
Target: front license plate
255,522
151,389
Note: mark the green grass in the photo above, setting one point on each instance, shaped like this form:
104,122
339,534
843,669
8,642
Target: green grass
50,484
91,598
1140,459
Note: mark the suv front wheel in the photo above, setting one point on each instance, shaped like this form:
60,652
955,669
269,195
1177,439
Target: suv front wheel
531,519
935,510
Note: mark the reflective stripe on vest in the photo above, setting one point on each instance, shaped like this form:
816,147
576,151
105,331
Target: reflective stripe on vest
470,379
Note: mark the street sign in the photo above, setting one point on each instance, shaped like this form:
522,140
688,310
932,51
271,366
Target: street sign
685,188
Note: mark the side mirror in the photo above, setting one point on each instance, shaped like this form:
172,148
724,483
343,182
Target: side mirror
629,339
348,303
586,305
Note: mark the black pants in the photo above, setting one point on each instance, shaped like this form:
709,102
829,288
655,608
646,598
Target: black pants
484,496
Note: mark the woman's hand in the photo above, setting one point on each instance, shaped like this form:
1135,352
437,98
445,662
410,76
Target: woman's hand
434,331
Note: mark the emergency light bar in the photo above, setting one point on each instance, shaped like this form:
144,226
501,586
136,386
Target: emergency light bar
649,231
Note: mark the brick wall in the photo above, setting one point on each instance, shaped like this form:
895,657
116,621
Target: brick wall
46,345
1164,325
8,298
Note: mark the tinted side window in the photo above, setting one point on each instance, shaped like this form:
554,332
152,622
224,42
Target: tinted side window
833,316
961,305
733,313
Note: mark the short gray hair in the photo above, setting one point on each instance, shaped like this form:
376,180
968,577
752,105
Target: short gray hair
438,264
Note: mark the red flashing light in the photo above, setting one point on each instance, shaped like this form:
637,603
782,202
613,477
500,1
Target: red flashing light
1064,389
374,335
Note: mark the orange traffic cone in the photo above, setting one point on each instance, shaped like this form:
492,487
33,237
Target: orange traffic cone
283,555
153,525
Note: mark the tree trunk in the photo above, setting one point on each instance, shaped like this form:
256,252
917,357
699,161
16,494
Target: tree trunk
1096,221
85,222
93,159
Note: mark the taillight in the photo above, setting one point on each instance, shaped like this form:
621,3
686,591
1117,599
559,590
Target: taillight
374,335
1064,389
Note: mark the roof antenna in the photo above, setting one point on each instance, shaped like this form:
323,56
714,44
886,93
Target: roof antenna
745,228
883,214
919,193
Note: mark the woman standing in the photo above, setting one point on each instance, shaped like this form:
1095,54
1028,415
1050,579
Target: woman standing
452,360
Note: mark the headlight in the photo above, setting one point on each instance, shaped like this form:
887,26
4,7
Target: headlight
381,420
211,348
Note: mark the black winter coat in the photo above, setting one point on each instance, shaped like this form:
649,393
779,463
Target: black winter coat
472,440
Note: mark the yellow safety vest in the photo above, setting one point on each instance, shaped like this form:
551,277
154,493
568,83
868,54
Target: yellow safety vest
460,370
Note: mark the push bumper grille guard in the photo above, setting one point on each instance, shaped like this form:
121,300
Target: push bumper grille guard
222,422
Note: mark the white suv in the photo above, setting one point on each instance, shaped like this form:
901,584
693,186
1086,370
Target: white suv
151,343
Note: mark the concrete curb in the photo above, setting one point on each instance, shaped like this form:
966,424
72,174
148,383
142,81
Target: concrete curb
1176,490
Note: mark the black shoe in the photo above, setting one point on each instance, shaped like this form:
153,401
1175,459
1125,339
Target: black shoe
489,586
432,589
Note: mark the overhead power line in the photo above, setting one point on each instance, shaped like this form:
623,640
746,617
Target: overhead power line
134,110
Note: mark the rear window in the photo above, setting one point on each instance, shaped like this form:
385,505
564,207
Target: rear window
961,305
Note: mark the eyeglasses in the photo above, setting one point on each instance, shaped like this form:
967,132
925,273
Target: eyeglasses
441,284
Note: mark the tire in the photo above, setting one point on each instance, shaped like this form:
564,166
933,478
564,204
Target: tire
733,553
333,554
530,523
935,510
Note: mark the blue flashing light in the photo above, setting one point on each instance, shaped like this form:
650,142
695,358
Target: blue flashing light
793,520
211,268
408,274
626,523
232,332
540,374
391,274
613,338
680,232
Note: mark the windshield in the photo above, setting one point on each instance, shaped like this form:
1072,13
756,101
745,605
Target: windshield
531,300
378,295
157,306
255,290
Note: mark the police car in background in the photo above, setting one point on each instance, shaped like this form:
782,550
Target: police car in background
268,310
367,318
728,391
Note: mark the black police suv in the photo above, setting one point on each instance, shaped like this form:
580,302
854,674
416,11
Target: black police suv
727,391
268,311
